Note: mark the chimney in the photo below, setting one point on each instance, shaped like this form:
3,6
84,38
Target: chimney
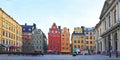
59,27
68,29
82,29
34,25
25,24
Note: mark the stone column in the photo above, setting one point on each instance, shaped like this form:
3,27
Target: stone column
103,44
118,41
113,42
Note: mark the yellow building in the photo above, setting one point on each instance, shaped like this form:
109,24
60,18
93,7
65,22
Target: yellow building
65,41
78,39
10,32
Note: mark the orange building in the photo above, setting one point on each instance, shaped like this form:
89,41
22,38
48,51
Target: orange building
65,41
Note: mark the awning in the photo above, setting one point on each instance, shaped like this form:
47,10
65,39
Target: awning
14,47
5,46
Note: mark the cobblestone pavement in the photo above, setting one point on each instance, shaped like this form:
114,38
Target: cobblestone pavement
58,57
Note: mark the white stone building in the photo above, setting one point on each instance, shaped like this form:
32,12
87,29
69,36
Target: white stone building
107,31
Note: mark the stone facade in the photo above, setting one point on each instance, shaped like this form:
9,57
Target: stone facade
107,31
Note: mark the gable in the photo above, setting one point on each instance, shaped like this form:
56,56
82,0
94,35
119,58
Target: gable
106,6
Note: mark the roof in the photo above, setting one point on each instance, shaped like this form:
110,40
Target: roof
27,28
77,33
9,16
88,29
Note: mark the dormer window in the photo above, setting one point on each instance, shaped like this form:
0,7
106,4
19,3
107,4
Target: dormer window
24,29
53,26
55,31
32,28
52,32
29,29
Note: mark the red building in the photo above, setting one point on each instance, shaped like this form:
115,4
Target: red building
54,38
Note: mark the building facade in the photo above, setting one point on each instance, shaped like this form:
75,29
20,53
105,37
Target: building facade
54,38
10,33
98,38
78,39
109,27
65,41
90,39
39,41
27,37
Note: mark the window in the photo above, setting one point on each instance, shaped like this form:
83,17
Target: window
90,33
62,38
50,46
54,47
109,20
115,16
66,43
86,47
67,39
82,46
3,33
6,34
66,48
86,32
37,41
63,48
78,46
78,41
62,43
40,41
87,37
55,31
105,25
90,42
74,41
40,47
53,26
90,47
81,37
52,31
82,41
74,46
29,29
6,41
90,37
86,42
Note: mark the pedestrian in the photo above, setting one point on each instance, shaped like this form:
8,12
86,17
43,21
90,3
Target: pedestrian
83,52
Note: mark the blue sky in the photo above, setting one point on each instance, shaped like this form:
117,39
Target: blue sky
66,13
